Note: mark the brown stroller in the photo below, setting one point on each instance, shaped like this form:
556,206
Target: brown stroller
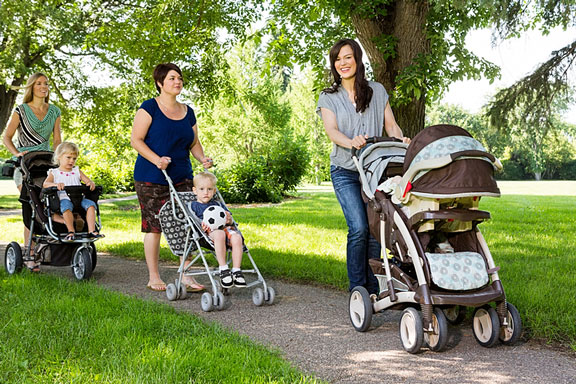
423,208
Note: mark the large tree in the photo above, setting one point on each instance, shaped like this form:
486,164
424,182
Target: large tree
127,38
533,103
415,48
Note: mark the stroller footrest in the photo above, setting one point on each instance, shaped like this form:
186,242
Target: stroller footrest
490,293
456,214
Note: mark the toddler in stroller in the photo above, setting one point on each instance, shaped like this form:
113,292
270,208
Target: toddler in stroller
49,241
185,234
423,208
205,188
68,174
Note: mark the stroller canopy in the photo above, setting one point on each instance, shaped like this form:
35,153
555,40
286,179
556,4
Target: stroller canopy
446,161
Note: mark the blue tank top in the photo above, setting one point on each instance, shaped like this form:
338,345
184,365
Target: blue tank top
166,137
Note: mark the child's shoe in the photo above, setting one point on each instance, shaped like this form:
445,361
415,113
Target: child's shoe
239,280
226,278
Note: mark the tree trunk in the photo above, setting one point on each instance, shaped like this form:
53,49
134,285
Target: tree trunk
406,22
7,100
538,176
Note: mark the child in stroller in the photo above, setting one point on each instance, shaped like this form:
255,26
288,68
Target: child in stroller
205,188
68,174
47,243
186,238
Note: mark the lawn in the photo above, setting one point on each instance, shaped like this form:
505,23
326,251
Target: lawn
57,331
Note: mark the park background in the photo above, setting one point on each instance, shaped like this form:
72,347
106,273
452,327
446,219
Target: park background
254,80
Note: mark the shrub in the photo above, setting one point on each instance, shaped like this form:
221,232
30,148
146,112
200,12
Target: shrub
249,182
512,170
288,163
567,171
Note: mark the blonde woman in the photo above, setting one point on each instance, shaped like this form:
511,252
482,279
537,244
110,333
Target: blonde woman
35,120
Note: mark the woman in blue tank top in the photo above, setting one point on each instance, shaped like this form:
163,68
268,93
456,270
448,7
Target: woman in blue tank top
164,134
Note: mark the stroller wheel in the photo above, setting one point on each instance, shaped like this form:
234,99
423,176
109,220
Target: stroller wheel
183,291
94,255
219,301
82,263
486,326
455,315
269,296
206,302
13,258
510,333
360,309
437,339
258,297
171,292
411,331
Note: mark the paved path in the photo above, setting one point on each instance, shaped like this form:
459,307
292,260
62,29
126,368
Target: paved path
310,326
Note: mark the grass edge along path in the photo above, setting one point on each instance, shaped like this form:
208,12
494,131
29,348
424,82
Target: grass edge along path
54,330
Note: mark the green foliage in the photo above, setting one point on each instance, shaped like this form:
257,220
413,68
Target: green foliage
247,130
567,171
306,123
513,169
249,182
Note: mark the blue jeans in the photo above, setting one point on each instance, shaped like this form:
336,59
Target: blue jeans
361,245
66,205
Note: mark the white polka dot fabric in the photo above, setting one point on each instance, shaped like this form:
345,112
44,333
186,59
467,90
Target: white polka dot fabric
459,271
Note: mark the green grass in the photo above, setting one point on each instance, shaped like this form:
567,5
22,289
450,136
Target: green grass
9,202
56,331
532,239
303,239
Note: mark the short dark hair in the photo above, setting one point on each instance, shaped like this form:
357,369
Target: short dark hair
161,71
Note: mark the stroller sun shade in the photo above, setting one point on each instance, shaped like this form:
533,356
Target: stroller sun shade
380,161
446,161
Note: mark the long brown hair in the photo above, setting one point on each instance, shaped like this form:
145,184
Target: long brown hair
363,92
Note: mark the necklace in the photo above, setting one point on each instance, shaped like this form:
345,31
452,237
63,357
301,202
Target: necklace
164,105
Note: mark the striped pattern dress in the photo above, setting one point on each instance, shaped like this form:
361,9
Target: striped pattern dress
33,133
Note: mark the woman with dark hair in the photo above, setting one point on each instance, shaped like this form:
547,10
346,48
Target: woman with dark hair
164,134
35,120
352,110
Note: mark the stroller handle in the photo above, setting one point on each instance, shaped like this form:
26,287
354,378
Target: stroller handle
376,139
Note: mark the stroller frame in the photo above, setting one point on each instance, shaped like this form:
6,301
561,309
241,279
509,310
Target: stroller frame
43,203
400,290
198,244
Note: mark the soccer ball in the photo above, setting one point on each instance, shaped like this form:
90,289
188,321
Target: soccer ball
214,217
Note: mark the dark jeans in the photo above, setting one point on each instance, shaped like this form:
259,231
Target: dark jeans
361,246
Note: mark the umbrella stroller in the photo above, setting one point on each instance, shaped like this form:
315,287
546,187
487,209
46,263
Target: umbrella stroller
40,212
186,238
436,262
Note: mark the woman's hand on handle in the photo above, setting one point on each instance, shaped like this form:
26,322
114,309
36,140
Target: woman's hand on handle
163,162
207,162
358,141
